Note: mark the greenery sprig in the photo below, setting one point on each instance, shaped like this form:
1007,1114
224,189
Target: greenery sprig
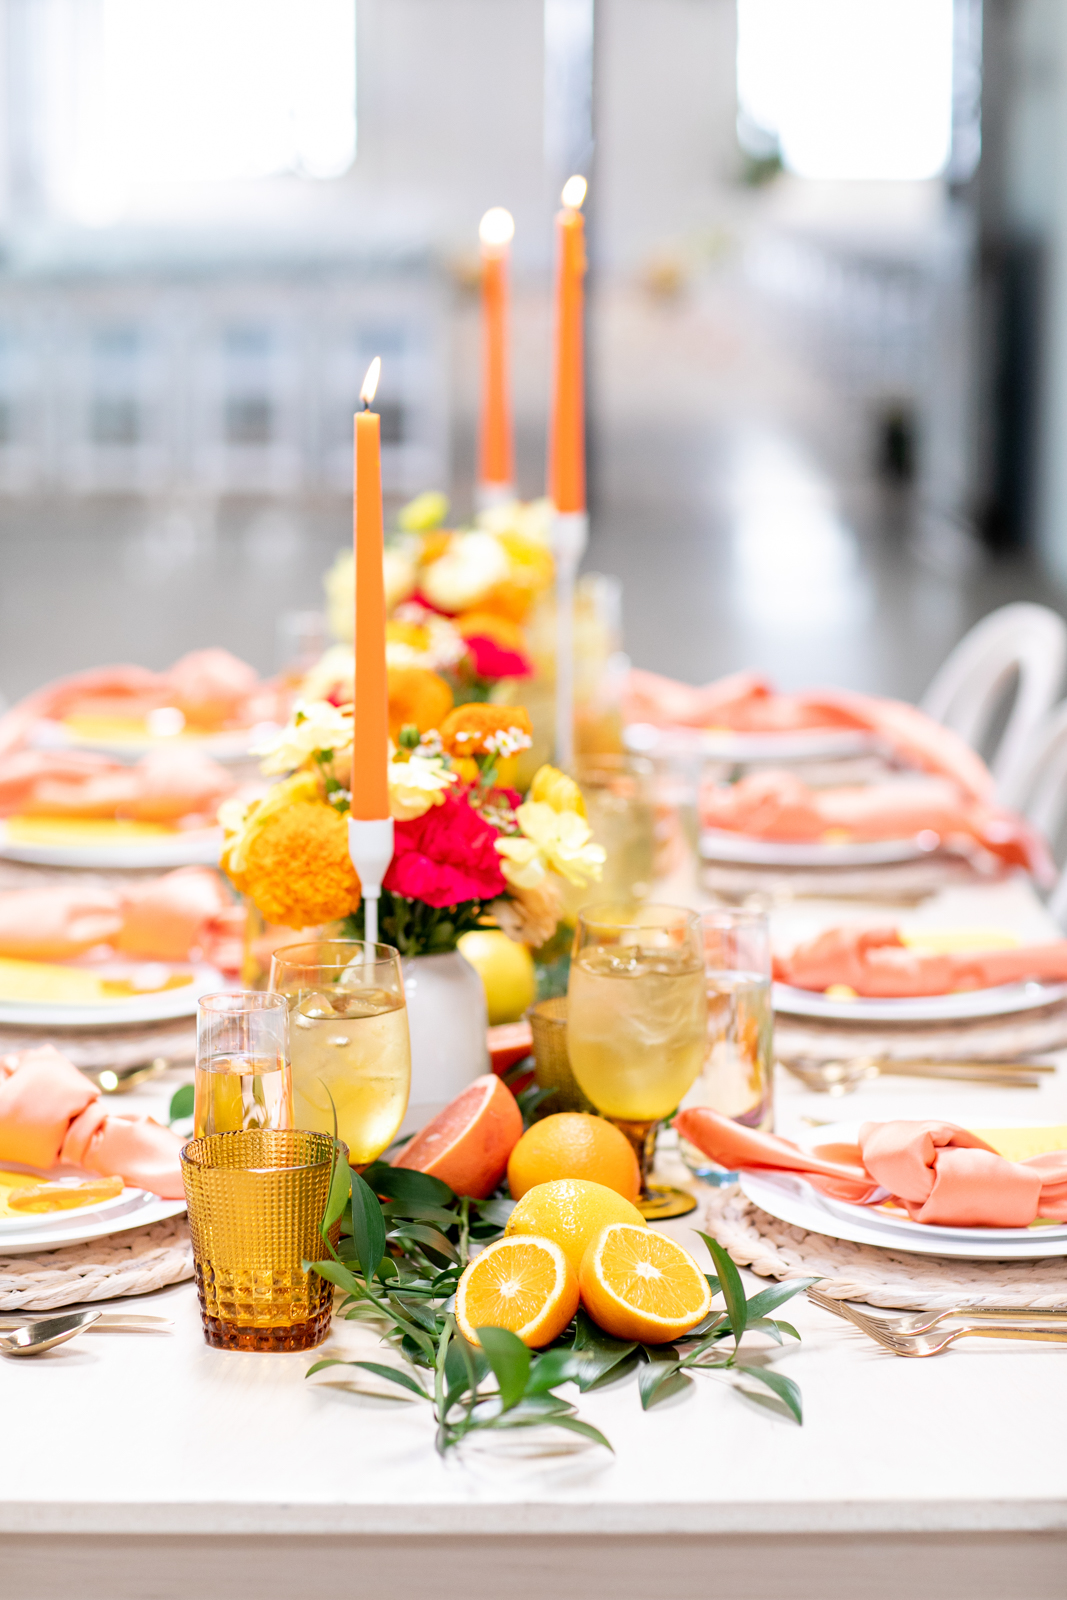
399,1260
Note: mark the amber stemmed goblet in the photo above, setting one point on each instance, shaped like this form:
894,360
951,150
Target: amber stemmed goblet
637,1024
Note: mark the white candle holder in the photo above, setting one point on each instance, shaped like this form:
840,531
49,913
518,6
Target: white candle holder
488,496
370,844
570,535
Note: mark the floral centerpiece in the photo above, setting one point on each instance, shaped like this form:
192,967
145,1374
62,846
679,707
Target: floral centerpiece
470,851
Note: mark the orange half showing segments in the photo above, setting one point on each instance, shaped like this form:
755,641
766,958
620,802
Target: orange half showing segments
640,1284
525,1284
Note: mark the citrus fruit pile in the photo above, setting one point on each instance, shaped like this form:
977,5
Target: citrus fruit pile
574,1238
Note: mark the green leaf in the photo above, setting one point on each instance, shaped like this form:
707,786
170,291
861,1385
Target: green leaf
555,1366
457,1375
399,1183
777,1295
586,1429
786,1390
496,1211
182,1102
368,1226
786,1327
713,1283
340,1189
599,1352
391,1374
335,1272
413,1211
765,1325
510,1361
733,1290
429,1238
662,1364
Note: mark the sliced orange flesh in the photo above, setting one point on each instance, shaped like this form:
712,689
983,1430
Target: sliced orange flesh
64,1196
640,1284
526,1285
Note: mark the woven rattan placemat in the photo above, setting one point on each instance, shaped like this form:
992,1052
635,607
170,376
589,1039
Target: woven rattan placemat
102,1269
895,1278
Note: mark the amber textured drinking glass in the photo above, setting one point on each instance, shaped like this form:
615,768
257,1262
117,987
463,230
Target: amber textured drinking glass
256,1200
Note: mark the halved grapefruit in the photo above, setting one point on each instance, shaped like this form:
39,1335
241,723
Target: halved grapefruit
468,1143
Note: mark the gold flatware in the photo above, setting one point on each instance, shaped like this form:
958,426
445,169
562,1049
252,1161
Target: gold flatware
923,1321
1004,1323
118,1321
123,1079
843,1076
36,1337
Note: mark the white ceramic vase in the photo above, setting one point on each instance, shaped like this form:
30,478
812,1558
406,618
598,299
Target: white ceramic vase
448,1021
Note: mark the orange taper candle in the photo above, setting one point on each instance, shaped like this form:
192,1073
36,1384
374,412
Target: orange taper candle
370,733
566,438
496,451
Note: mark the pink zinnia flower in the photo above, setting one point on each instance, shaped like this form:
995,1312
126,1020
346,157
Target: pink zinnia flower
445,857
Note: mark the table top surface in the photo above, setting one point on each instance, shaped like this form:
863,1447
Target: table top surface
138,1433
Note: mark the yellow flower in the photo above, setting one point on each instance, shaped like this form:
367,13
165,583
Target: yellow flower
556,790
551,841
416,784
335,670
314,725
241,820
469,569
427,510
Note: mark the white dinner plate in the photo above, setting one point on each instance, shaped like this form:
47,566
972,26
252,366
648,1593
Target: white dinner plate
230,746
789,1197
195,847
117,1205
139,1210
719,844
1001,1001
723,744
165,1005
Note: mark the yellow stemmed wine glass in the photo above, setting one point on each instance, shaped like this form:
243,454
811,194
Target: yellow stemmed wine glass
348,1040
637,1024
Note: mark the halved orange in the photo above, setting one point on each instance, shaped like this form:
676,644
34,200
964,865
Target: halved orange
640,1284
524,1284
468,1143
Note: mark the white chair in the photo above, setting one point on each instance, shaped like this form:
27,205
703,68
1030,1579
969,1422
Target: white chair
1024,641
1040,793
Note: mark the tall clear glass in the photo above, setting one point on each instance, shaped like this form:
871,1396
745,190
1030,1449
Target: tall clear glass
242,1064
617,790
637,1024
738,1075
348,1033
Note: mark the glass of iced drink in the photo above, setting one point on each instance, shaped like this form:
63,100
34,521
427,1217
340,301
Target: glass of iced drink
348,1038
738,1075
637,1024
242,1064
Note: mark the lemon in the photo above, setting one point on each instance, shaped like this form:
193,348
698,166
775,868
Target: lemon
506,970
571,1213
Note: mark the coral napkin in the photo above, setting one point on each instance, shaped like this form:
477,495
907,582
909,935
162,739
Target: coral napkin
186,915
51,1113
937,1171
876,963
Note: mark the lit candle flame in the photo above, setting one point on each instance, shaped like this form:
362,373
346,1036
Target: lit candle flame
497,227
370,382
574,191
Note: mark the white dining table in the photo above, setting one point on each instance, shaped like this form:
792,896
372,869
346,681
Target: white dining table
150,1467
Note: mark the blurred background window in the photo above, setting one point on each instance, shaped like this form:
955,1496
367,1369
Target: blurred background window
847,89
139,96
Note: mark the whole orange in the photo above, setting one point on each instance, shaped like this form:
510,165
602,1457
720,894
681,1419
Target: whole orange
574,1144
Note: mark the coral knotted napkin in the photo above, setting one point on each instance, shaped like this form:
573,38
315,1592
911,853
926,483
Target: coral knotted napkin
51,1113
940,1173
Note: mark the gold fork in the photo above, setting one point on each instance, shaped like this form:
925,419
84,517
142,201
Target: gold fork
913,1344
913,1322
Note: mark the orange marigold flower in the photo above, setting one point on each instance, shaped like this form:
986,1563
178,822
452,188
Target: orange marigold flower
480,730
417,696
298,869
487,625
